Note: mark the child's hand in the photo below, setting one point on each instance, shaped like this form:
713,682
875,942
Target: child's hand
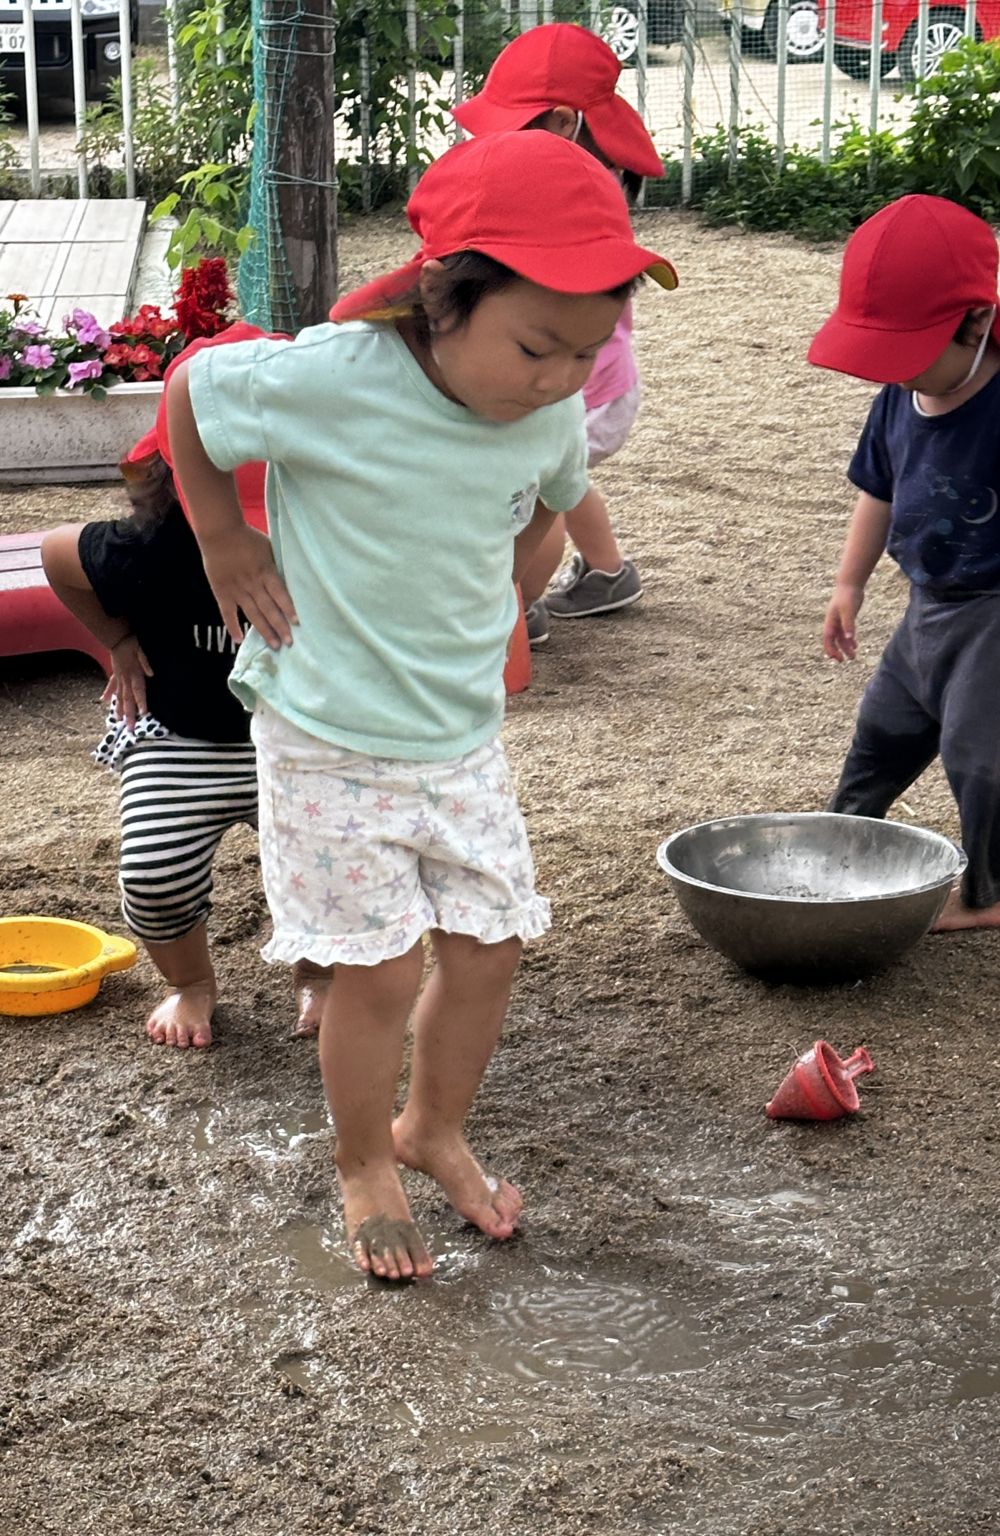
130,670
839,638
241,572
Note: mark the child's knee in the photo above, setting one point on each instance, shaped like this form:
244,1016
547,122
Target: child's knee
491,962
387,986
159,917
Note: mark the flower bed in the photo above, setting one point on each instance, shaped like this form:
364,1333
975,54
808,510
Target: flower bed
73,402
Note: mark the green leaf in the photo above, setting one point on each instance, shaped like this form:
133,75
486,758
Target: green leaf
165,207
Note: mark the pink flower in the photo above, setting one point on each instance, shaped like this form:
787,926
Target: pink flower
5,367
38,357
27,328
88,332
91,369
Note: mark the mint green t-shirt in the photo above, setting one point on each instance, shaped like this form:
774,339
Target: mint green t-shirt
393,513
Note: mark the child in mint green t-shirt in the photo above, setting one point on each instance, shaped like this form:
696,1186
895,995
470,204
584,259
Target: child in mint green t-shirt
408,444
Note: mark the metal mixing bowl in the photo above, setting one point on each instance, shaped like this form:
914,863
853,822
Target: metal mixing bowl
811,896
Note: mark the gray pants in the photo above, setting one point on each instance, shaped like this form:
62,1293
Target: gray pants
936,691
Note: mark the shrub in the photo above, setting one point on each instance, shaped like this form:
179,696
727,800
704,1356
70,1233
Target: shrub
950,148
953,139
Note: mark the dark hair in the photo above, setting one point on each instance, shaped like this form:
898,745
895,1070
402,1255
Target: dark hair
150,487
470,277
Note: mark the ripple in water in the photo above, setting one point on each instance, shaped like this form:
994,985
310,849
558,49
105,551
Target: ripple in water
570,1325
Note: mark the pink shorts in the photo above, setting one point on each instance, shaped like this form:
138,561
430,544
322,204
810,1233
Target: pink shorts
362,855
609,425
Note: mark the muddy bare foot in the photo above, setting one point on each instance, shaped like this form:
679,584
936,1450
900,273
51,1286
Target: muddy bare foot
310,983
382,1238
184,1017
491,1204
956,915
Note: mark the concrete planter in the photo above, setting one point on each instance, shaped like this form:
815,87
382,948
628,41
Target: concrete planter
69,436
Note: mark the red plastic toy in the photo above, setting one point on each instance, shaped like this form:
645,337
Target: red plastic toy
517,672
820,1086
32,618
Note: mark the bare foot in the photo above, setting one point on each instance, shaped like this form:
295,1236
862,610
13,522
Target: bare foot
382,1238
956,915
493,1205
184,1017
310,984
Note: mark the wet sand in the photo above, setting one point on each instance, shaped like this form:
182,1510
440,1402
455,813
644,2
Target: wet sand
712,1324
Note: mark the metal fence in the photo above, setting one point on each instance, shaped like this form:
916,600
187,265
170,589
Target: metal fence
76,46
794,70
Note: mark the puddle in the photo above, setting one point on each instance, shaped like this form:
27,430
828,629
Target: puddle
272,1138
845,1359
24,969
558,1326
762,1218
312,1252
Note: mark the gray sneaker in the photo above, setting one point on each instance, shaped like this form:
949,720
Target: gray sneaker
580,591
537,619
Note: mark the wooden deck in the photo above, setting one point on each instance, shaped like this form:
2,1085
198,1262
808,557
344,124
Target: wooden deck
66,254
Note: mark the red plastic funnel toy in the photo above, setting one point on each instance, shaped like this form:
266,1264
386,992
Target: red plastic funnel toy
820,1086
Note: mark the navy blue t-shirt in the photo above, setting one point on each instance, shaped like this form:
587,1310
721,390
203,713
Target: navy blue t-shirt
153,576
942,476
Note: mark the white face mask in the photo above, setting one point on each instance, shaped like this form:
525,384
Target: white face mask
978,357
576,131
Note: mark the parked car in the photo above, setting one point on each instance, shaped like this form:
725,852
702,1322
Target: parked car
901,35
620,26
803,35
102,49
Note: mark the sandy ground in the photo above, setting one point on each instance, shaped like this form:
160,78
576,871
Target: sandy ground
712,1324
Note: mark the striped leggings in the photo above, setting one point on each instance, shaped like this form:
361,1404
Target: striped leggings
178,797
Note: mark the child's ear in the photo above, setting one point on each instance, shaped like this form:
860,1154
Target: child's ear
559,120
433,285
979,321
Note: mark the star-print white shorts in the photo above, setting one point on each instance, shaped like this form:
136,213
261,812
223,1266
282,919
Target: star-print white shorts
362,855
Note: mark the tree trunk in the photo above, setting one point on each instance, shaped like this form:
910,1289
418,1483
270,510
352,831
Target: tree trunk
298,106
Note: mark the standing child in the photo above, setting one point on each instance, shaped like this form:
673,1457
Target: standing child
918,314
176,736
405,454
561,78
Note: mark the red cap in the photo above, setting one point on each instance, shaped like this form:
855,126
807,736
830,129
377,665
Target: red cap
533,201
910,274
249,477
562,65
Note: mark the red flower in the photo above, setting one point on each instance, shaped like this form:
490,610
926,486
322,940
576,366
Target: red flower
144,343
203,299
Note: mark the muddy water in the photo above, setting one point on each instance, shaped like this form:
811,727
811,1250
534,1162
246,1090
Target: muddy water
545,1321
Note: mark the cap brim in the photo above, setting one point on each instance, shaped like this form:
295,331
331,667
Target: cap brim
876,354
622,137
618,130
144,448
479,115
378,300
610,263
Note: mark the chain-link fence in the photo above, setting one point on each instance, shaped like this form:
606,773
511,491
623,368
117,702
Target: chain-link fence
796,71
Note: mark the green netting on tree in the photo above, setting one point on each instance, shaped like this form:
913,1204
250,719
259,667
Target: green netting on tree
265,287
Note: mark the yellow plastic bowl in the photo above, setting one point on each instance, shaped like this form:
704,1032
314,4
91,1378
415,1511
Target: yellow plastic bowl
50,965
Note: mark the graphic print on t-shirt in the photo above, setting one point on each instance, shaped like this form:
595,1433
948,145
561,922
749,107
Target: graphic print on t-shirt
216,638
153,576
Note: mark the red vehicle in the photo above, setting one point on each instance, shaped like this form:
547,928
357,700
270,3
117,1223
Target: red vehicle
852,43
